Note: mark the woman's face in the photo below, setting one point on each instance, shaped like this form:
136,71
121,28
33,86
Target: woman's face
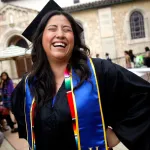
58,39
4,76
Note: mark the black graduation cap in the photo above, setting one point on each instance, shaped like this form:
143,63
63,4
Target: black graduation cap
50,6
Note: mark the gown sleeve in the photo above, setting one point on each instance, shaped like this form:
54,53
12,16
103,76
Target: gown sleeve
126,104
17,97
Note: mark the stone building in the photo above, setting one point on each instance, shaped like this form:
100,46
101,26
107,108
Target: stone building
111,26
114,26
13,20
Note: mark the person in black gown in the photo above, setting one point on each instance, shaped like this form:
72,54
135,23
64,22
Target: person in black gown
125,97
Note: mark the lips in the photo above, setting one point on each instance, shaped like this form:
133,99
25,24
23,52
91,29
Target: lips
59,44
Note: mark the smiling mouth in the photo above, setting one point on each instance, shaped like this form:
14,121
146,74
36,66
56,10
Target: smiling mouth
62,45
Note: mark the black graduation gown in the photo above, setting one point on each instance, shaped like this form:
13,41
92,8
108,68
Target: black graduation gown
125,101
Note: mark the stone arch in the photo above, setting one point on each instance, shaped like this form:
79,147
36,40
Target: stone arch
14,37
142,11
18,41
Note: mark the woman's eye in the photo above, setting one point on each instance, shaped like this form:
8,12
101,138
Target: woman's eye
67,30
52,29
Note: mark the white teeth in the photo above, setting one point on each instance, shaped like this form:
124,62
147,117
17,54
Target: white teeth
59,44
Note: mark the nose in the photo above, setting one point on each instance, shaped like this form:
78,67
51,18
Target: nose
60,34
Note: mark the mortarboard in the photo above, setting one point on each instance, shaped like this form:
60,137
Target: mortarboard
50,6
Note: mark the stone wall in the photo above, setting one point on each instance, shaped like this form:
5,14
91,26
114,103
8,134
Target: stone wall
90,22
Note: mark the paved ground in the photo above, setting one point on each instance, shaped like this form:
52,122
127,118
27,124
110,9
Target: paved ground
6,146
120,147
13,141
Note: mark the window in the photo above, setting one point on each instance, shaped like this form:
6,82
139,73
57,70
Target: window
137,25
11,19
76,1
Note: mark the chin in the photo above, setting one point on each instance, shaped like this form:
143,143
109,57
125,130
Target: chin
60,58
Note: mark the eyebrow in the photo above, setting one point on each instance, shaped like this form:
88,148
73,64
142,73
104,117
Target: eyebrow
67,26
51,25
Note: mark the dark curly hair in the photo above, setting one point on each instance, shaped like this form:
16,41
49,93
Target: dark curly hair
7,79
41,70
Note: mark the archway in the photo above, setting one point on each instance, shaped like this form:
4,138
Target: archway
23,63
18,41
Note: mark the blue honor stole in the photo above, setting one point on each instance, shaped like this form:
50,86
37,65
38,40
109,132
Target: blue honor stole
89,116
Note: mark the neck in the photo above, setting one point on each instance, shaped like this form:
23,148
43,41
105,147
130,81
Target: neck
58,70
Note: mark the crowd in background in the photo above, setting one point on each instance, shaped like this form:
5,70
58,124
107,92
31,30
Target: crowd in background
132,60
141,60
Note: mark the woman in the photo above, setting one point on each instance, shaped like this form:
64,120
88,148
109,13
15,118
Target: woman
6,86
60,104
132,58
147,57
127,59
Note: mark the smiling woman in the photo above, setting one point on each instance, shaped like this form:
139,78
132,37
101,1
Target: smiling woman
69,101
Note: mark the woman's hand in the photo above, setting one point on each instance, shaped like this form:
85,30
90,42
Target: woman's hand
112,139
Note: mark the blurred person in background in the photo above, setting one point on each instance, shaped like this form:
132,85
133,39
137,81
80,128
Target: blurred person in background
107,57
127,59
97,55
132,57
147,57
7,88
